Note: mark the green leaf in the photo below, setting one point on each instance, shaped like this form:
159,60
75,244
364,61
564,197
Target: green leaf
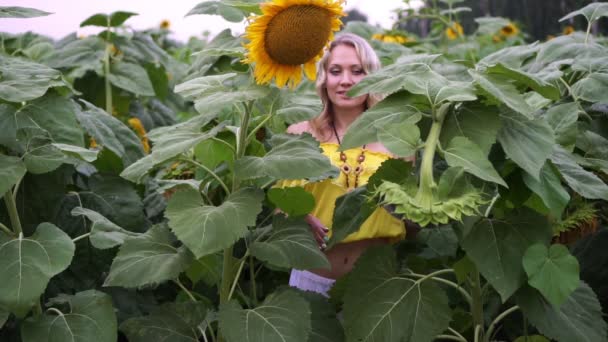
490,25
111,133
553,271
512,56
393,170
583,182
113,20
527,142
290,245
397,108
43,158
21,12
294,201
208,269
500,90
171,141
23,80
350,212
440,242
549,187
497,247
300,107
325,325
401,139
562,118
208,229
592,88
91,318
80,56
377,297
77,152
148,259
592,12
175,322
283,316
27,265
577,319
131,77
532,338
464,153
104,233
3,316
222,8
291,157
12,170
477,122
545,89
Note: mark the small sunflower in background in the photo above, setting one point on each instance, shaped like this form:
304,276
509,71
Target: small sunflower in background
454,31
496,38
392,38
289,36
568,30
165,24
509,30
139,129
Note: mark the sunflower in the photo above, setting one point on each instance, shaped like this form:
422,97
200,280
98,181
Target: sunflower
454,31
138,127
165,24
509,30
568,30
496,38
290,35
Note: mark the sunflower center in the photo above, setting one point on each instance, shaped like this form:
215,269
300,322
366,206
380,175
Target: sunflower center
297,34
507,29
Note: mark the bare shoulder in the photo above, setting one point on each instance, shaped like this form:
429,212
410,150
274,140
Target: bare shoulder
299,128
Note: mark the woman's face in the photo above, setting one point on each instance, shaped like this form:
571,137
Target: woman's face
344,70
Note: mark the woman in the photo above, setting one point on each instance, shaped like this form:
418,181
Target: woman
348,59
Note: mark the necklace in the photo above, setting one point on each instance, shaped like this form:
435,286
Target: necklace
346,168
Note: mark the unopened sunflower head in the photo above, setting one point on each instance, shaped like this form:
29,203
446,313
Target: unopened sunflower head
289,36
509,30
165,24
568,30
454,31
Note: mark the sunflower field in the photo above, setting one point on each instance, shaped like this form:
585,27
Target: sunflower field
136,177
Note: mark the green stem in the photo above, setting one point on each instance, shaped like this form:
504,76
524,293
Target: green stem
588,32
181,286
254,292
11,207
464,293
477,333
6,229
498,319
108,86
449,337
236,277
59,313
213,174
477,307
83,236
457,334
257,128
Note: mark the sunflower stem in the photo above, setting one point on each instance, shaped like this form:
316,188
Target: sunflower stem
498,319
106,65
11,207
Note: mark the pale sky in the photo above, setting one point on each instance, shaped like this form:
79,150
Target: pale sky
68,14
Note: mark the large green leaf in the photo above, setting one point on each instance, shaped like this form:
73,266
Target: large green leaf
113,20
544,88
500,90
283,316
21,12
175,322
148,259
111,133
131,77
553,271
207,229
325,325
440,242
291,157
27,265
401,139
477,122
104,233
208,269
583,182
549,187
300,107
23,80
562,118
352,209
377,297
294,201
170,142
464,153
592,88
578,319
527,142
80,56
12,170
3,316
512,56
592,12
90,317
233,11
290,245
397,108
497,247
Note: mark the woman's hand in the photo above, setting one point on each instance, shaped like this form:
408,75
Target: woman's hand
319,231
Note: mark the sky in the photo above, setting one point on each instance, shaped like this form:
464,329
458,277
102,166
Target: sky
68,14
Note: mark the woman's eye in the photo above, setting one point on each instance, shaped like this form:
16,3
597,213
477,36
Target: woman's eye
358,72
334,72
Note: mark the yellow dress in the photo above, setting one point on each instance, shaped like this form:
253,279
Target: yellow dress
380,224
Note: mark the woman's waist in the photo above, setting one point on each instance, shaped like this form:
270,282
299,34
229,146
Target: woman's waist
342,256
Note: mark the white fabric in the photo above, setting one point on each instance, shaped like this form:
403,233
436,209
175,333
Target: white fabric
309,281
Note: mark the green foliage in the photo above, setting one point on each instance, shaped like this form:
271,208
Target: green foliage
294,201
113,20
21,12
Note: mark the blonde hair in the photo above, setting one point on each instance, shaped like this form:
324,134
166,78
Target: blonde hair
321,124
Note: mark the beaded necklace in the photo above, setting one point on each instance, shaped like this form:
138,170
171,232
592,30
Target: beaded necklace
345,168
